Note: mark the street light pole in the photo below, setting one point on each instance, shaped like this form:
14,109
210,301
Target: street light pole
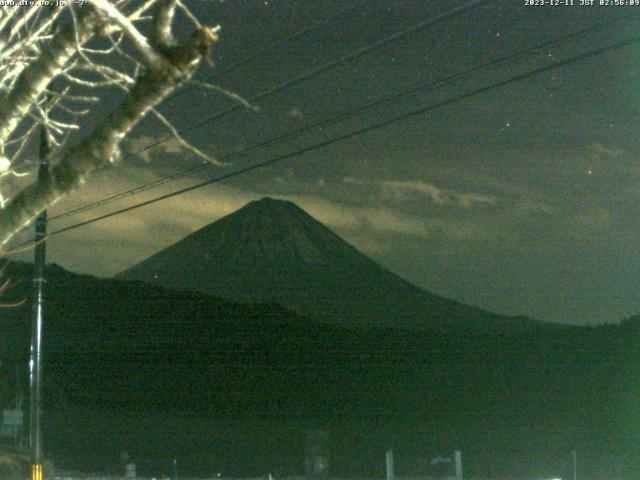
37,317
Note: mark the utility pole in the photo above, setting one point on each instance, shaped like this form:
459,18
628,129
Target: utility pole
575,463
458,464
37,318
389,461
20,434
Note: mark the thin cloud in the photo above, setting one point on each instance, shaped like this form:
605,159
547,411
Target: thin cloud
402,189
612,151
438,195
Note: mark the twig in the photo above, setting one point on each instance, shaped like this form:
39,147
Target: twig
226,93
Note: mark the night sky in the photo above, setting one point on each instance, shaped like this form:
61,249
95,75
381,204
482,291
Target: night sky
522,200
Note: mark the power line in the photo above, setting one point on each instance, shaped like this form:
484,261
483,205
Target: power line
375,126
283,41
307,75
425,85
250,57
324,68
277,43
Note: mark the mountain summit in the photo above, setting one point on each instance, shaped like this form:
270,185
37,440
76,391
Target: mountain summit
273,251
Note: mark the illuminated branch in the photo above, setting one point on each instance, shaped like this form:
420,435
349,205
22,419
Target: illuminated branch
100,147
38,48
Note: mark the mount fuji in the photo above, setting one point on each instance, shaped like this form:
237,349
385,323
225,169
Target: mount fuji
273,251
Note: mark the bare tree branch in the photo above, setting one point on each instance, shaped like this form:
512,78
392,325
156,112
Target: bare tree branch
57,63
34,80
140,41
162,36
223,91
196,151
100,147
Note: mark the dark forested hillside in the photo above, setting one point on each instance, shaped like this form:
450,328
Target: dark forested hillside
162,373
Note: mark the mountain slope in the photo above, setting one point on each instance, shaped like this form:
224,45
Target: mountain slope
272,250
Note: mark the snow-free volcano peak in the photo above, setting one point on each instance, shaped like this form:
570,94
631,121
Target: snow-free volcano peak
271,206
271,250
